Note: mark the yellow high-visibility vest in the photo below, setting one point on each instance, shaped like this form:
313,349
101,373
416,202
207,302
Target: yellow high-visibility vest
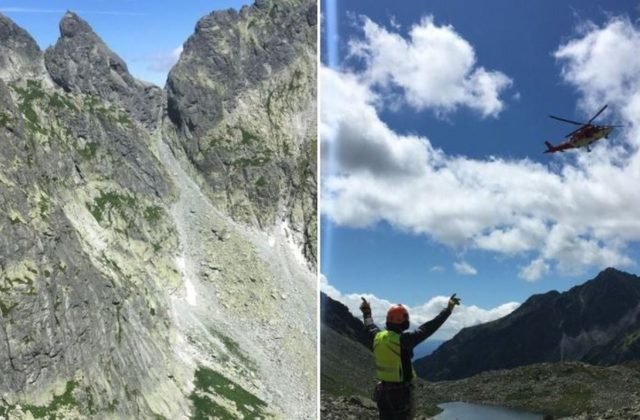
386,350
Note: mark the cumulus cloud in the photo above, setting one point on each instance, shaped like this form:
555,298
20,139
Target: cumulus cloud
464,268
535,270
462,316
575,214
434,68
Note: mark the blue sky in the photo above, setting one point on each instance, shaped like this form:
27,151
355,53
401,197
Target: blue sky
145,33
432,124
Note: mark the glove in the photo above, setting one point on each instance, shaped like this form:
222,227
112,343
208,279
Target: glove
365,308
453,301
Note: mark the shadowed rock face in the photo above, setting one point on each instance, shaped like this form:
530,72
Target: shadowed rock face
336,316
242,100
596,322
81,62
124,293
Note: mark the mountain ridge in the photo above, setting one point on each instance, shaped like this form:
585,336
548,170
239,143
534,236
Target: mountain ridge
575,325
126,290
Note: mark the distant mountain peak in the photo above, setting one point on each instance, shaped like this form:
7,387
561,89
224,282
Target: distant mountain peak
72,25
611,271
80,61
595,322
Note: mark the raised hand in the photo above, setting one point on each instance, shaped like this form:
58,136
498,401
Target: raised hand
453,301
365,308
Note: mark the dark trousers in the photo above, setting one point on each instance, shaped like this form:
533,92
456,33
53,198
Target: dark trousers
395,401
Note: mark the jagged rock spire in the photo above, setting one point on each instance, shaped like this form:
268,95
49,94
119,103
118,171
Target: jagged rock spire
80,61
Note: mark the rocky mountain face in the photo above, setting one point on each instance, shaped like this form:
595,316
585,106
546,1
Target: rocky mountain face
242,99
346,365
128,287
596,322
337,317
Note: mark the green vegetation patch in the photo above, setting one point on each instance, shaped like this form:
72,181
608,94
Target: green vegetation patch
60,102
89,150
573,400
27,96
247,137
44,204
6,308
123,118
630,339
296,81
152,213
96,106
107,201
570,400
90,405
521,394
257,160
232,347
59,401
333,386
208,381
273,12
5,117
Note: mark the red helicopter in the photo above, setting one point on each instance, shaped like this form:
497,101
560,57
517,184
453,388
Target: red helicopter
584,136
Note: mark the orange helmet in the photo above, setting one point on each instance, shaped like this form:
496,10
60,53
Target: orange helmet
397,314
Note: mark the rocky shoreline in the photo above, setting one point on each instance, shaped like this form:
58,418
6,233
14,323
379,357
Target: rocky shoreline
569,390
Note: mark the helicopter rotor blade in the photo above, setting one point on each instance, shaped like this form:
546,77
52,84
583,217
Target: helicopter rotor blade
598,113
565,120
573,132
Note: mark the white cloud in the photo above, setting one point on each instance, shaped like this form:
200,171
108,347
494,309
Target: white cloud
567,216
462,316
162,61
437,268
394,23
154,67
603,64
464,268
535,270
435,68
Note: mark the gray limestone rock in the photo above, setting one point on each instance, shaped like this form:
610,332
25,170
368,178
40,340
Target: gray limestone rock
81,62
20,55
242,100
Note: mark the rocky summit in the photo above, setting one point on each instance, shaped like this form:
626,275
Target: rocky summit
596,322
157,246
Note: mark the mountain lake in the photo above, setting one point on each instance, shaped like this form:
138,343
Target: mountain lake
468,411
